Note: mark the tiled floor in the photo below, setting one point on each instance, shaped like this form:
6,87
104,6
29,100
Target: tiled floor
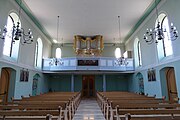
88,110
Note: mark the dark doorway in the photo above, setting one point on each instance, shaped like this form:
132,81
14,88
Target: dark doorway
88,87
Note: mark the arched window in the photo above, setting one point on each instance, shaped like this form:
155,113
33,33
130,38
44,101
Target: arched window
58,52
117,52
164,47
137,53
38,53
11,49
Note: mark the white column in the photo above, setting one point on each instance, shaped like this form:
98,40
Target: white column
72,83
104,83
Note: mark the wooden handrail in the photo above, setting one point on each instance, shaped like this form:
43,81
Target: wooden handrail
173,92
3,93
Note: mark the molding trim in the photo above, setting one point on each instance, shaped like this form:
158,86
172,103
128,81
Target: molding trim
141,20
162,62
133,36
19,65
97,72
88,72
105,44
37,23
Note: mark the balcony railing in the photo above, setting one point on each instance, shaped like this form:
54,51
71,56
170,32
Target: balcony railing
88,63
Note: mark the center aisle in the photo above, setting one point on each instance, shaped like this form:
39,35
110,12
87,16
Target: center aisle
88,110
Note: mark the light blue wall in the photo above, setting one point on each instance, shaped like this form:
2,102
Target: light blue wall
77,83
67,51
149,52
25,88
133,85
60,83
116,83
63,82
99,82
158,87
26,53
17,88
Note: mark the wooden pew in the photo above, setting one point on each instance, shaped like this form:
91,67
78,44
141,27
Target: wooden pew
145,106
116,104
52,105
28,114
129,114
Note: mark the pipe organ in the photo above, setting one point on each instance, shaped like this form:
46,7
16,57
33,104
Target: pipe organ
88,45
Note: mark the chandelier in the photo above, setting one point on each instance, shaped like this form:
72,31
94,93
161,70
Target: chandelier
18,33
120,60
157,33
57,61
3,34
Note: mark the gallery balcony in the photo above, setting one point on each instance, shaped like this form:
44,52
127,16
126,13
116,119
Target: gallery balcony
88,64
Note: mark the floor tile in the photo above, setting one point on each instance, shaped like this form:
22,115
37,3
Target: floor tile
88,110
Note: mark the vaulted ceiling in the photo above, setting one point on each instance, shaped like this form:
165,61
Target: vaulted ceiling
88,17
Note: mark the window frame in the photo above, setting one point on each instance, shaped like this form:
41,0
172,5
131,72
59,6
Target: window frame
117,52
13,47
163,46
139,53
36,54
164,49
60,52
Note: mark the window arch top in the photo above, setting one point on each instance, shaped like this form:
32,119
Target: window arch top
38,53
164,47
117,52
11,48
58,52
137,52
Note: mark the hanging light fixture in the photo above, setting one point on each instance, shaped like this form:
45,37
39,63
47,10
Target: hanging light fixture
120,60
17,32
57,61
3,33
157,33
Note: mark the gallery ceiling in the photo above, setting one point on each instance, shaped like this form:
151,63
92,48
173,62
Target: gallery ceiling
88,17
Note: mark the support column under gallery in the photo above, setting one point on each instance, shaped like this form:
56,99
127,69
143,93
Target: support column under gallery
104,82
72,83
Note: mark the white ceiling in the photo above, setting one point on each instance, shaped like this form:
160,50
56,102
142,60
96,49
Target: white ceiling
88,17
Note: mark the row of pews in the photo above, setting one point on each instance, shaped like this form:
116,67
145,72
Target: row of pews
132,106
52,105
2,97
